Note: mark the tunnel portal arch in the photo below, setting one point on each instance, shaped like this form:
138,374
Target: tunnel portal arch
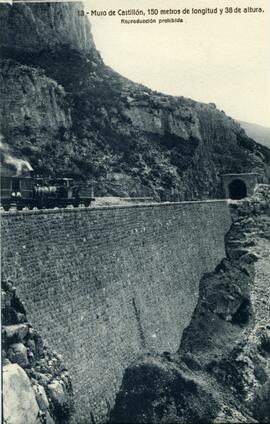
237,189
238,186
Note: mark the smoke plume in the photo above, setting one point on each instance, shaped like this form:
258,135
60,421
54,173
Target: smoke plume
10,164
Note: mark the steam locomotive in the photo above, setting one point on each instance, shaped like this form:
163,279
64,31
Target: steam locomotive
31,192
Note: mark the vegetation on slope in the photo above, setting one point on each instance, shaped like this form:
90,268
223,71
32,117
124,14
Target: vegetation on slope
77,117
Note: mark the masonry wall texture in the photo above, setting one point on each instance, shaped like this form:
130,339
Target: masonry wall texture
106,284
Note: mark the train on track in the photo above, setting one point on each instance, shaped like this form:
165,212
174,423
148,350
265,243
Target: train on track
38,192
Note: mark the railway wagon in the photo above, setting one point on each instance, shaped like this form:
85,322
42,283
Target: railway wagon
17,191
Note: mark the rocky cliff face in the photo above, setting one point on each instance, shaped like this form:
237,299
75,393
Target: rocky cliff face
68,113
221,371
33,105
33,28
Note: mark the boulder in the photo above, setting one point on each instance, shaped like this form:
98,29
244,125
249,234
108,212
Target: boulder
56,392
41,397
18,353
42,378
49,419
19,401
15,332
156,390
61,401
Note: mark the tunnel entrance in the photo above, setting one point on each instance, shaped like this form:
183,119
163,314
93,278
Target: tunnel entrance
238,186
237,189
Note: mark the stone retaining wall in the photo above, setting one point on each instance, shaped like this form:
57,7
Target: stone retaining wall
103,285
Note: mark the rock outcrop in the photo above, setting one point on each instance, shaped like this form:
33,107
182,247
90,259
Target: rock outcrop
34,106
19,400
221,371
36,385
47,27
72,115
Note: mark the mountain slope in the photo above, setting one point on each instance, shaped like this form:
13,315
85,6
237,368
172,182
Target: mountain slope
73,115
257,132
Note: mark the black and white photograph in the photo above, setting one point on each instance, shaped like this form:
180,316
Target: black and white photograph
135,211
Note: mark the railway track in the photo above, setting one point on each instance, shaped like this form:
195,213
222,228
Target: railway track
38,210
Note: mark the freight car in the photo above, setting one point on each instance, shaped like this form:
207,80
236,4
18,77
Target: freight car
31,192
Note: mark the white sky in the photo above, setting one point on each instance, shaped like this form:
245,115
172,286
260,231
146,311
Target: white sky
221,59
